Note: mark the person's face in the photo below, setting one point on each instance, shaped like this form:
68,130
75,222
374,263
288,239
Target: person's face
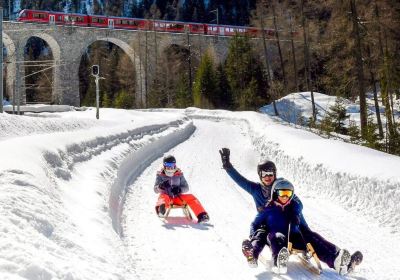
284,196
267,177
283,199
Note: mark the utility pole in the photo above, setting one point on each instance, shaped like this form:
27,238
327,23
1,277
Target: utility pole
96,73
17,89
217,18
1,60
216,14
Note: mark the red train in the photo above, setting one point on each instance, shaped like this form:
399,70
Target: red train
137,24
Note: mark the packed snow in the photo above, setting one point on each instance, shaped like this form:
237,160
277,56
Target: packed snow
296,107
77,198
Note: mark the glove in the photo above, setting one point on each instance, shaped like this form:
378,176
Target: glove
176,190
164,185
225,152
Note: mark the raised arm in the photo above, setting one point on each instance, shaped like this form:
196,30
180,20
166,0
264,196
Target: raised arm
242,182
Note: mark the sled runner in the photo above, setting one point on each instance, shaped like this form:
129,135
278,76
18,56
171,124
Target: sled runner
307,257
184,206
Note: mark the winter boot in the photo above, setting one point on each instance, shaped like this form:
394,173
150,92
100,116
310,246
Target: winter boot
280,261
203,218
355,260
342,261
161,210
247,249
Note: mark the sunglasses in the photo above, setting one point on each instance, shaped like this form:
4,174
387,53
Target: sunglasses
267,174
169,165
287,193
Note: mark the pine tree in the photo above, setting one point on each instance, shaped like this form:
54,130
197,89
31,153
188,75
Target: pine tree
183,98
205,87
371,136
354,132
326,125
106,101
224,94
242,66
124,100
338,114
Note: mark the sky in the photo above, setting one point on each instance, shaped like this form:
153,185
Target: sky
77,199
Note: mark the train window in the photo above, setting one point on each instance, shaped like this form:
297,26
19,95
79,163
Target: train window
133,22
98,20
118,21
23,14
59,18
38,15
76,19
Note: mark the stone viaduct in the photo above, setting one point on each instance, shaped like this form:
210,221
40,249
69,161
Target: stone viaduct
69,43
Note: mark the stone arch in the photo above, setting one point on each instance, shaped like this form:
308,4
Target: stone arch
10,63
135,59
184,50
56,52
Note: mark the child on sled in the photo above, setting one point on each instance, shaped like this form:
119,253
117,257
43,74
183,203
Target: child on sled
279,223
172,187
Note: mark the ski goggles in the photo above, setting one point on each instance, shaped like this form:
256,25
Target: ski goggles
169,165
266,174
287,193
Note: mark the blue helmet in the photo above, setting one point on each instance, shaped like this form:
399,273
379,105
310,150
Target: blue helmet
281,187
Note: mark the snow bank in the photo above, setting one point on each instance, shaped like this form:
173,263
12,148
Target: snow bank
13,125
55,185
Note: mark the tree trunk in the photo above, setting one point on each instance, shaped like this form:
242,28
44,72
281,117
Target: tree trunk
279,50
294,55
359,69
269,79
307,62
373,82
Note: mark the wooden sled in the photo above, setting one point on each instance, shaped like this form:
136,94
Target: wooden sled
185,208
307,257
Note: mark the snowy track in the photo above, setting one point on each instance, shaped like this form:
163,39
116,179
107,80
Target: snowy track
65,177
179,249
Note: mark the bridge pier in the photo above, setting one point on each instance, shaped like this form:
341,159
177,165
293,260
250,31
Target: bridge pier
68,88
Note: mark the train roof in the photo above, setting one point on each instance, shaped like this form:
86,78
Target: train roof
53,12
132,18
